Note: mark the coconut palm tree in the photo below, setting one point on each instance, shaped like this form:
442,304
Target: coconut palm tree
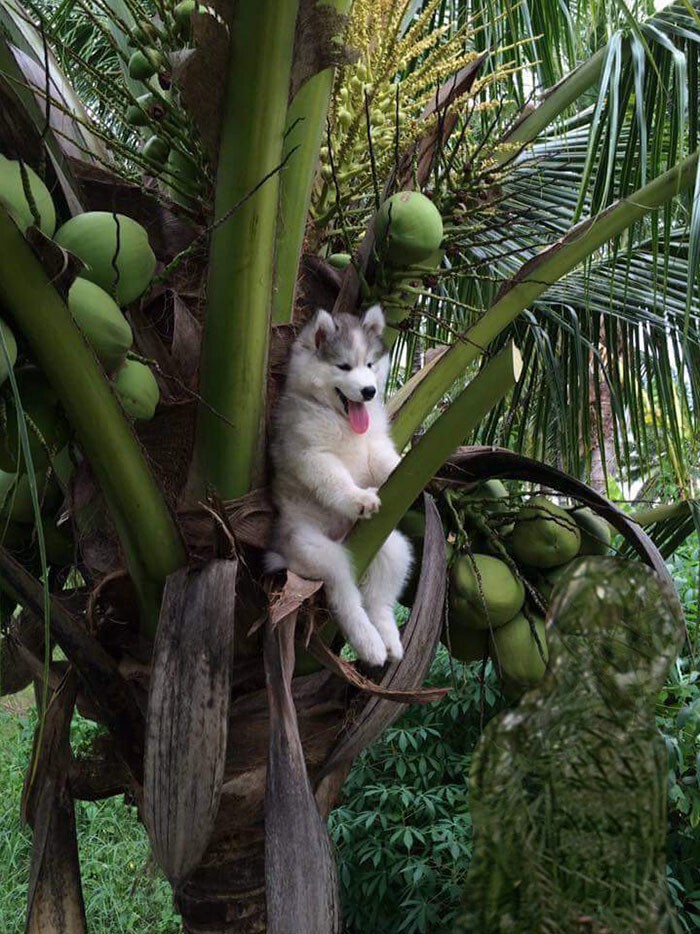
570,230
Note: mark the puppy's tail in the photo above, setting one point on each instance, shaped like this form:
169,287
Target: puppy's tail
272,562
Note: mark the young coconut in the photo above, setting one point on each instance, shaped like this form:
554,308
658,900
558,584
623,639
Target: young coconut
100,319
517,652
13,198
409,229
47,427
149,108
466,645
340,260
102,241
596,535
484,592
156,151
137,389
544,535
180,176
16,497
143,64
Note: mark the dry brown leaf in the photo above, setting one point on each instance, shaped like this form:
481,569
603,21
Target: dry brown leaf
55,899
187,720
300,878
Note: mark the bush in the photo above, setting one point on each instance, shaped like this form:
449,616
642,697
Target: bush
678,718
403,832
124,891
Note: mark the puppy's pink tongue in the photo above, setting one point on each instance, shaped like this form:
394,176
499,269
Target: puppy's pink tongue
359,417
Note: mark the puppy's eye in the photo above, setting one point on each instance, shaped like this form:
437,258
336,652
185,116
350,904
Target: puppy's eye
344,366
370,365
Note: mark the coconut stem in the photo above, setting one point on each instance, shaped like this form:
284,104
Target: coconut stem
304,130
231,427
426,457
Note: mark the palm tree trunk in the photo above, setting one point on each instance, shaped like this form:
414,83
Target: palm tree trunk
601,421
226,894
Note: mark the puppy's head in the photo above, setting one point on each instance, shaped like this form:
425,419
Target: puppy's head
342,362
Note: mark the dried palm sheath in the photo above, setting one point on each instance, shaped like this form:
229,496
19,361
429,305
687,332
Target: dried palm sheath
187,722
300,878
55,898
24,635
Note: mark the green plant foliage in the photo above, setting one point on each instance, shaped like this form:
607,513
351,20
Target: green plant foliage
404,832
124,891
678,718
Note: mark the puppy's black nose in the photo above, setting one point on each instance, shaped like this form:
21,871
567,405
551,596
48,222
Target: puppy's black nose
368,392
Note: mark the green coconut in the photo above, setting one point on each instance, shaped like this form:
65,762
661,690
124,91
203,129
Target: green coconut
8,356
490,599
180,176
516,651
596,534
182,12
149,107
492,489
47,427
544,535
143,32
136,116
340,260
16,496
144,63
12,197
156,151
466,645
409,228
492,498
100,319
93,238
137,389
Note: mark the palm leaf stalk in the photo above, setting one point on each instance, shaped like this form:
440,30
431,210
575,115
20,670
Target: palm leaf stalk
425,390
421,463
239,289
147,531
304,130
554,103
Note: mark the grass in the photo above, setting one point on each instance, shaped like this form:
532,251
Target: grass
124,891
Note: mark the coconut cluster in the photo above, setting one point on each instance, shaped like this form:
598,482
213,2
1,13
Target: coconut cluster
505,559
154,111
116,267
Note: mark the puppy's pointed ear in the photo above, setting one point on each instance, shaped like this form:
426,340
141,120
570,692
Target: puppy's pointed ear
319,329
373,321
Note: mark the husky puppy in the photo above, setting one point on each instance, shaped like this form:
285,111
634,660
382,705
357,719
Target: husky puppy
331,450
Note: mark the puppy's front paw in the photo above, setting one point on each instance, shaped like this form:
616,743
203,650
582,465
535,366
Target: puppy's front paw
367,502
394,649
370,648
